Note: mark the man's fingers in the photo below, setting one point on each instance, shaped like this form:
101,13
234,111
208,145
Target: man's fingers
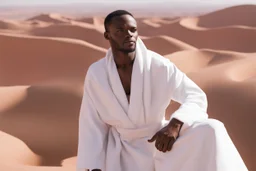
160,146
153,138
166,143
171,144
159,142
163,142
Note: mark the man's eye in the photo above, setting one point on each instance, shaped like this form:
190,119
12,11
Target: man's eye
120,30
133,30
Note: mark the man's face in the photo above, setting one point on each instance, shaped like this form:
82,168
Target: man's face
122,33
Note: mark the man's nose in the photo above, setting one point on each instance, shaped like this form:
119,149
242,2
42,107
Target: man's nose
129,33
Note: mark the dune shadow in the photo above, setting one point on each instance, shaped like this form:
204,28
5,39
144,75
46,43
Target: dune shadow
47,121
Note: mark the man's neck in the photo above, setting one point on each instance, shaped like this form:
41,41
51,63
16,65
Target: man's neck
122,58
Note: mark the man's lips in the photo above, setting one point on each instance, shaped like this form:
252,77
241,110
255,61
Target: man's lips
130,42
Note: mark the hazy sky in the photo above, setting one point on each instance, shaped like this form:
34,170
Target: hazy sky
36,2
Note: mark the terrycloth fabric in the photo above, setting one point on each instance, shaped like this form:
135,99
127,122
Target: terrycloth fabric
113,133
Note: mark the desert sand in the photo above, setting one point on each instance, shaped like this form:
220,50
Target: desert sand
44,59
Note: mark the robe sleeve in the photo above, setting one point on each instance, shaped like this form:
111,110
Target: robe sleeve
92,134
191,97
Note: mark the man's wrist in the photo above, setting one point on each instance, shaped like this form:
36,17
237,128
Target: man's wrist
175,123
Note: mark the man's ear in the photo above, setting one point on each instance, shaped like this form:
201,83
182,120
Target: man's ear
106,35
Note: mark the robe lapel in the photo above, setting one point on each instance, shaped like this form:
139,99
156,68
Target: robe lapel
117,88
140,100
136,101
147,101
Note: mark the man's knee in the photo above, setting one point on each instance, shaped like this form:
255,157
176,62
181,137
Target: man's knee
212,126
206,128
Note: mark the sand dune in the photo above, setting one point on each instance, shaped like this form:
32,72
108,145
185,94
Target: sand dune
193,23
90,33
69,163
151,24
93,36
219,39
49,115
239,15
43,61
82,32
189,30
53,18
158,22
11,96
86,20
72,31
19,153
50,59
200,59
98,22
186,30
5,24
168,45
37,23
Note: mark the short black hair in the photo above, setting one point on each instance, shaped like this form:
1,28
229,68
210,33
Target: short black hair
113,14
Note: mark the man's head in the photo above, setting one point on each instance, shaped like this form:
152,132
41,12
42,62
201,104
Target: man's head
121,31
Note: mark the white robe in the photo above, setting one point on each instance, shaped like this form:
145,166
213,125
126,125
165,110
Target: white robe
113,134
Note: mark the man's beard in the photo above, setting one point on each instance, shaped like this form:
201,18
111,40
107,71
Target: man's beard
127,50
121,49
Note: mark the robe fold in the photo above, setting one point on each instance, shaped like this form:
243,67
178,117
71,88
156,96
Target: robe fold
113,134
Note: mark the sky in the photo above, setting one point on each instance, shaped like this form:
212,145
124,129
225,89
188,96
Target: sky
54,2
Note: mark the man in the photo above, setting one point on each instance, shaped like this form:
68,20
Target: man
122,125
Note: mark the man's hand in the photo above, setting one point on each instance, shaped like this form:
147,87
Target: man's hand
166,137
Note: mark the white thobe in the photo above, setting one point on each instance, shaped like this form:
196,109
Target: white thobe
113,134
